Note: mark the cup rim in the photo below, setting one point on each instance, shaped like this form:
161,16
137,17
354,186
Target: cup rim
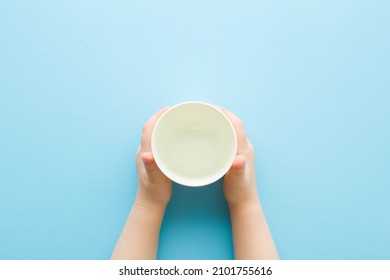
198,182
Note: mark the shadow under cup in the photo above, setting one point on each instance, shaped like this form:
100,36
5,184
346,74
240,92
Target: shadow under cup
194,144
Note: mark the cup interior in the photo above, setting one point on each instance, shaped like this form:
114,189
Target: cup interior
194,144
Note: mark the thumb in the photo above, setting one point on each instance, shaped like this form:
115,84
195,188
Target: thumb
152,170
236,172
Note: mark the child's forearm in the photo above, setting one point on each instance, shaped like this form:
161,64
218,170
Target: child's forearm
139,238
251,235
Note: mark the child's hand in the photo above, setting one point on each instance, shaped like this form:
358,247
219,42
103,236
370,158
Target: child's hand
252,238
239,184
139,237
154,188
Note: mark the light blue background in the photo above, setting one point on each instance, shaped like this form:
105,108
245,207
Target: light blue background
310,80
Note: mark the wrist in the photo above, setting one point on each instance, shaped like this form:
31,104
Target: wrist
244,205
143,202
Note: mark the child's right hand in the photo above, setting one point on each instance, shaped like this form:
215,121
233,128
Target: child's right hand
252,238
239,184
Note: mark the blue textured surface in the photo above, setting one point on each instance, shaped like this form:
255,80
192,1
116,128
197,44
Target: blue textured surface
310,79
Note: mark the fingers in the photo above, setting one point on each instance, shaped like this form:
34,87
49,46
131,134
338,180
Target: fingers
239,129
148,129
152,170
144,153
239,164
237,170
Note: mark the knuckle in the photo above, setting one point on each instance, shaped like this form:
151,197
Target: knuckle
251,149
243,134
240,124
143,138
242,138
145,129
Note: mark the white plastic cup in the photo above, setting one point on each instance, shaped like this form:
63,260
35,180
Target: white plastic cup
194,144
